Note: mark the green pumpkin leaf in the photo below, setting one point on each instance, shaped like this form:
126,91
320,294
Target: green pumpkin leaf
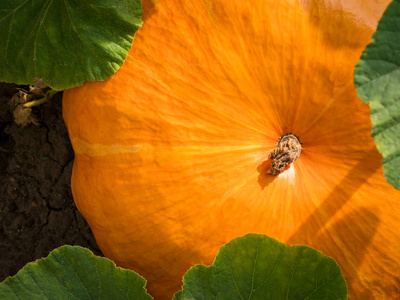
65,42
259,267
377,79
73,272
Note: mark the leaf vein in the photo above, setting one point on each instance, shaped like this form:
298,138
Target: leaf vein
234,281
382,76
318,288
37,34
291,277
254,268
273,271
76,275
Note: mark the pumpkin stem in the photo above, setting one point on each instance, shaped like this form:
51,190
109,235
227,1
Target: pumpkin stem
287,151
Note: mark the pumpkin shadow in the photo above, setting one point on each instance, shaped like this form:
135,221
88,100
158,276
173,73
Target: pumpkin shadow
362,221
149,9
181,256
325,17
346,188
356,230
264,178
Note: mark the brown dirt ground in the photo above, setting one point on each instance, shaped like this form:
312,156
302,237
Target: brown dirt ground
37,212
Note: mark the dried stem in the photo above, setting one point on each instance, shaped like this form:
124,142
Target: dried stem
286,152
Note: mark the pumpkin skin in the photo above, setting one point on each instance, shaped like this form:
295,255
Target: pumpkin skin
171,152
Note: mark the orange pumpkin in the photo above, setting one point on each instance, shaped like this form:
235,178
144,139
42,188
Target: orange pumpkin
172,152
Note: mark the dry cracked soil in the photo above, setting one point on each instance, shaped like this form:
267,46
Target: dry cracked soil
37,211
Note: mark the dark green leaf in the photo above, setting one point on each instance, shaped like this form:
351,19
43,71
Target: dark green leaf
377,79
73,273
65,42
259,267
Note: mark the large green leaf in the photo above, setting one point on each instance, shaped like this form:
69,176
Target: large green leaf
377,79
73,273
65,42
259,267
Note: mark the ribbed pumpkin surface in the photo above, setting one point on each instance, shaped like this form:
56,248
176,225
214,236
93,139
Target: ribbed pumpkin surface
171,153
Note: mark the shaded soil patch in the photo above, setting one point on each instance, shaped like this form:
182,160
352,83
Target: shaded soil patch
37,212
